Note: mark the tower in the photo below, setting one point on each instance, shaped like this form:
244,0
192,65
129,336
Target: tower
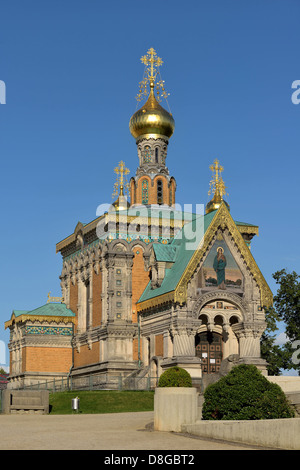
152,126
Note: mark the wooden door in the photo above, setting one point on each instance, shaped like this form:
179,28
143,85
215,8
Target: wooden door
209,349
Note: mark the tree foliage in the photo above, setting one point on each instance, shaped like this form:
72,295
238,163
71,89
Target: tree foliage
244,393
286,309
175,377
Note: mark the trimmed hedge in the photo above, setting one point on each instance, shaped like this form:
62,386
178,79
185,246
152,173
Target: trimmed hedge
244,393
175,377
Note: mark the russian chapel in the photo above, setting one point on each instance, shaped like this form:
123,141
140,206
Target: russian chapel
146,286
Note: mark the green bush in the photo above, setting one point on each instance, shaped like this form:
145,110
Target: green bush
175,377
244,393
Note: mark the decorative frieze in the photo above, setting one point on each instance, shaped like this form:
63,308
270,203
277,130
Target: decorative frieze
48,330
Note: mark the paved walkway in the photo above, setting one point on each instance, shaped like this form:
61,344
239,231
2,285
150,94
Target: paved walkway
116,431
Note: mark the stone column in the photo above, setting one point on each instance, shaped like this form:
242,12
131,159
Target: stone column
80,304
183,333
89,306
184,342
249,335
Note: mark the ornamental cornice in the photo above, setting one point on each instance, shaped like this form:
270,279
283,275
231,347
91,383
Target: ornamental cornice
149,137
47,340
249,329
41,319
156,302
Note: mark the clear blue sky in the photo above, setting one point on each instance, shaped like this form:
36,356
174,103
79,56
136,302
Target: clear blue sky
71,71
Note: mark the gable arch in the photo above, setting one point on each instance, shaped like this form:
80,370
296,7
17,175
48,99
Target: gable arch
119,245
225,296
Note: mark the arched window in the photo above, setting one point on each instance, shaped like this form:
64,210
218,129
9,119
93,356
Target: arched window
156,154
147,154
159,192
144,192
171,195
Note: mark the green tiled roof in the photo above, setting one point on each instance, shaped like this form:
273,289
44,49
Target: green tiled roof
17,313
164,252
181,256
51,309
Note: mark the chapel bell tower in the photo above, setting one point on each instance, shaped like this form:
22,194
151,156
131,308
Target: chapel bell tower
152,126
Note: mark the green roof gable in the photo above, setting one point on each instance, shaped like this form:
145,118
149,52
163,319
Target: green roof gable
181,254
50,309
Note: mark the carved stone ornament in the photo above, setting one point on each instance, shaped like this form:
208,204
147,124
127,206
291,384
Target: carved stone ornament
221,295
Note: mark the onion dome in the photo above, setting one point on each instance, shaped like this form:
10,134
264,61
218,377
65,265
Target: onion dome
152,118
121,204
217,188
215,203
121,184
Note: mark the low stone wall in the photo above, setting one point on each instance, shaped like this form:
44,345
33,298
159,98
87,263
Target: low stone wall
174,406
178,409
288,383
273,433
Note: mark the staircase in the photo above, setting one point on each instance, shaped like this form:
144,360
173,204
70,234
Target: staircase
138,380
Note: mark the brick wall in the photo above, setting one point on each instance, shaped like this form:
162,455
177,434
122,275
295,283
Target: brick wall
140,279
97,301
152,190
46,359
86,355
74,302
159,345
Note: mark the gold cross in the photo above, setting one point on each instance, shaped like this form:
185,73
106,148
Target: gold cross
152,63
217,185
217,168
121,182
151,59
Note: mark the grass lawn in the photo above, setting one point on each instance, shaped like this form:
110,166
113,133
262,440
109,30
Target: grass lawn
102,401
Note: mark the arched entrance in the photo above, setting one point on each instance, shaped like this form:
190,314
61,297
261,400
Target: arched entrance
209,348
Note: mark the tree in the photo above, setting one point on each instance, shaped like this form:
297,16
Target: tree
244,393
287,305
271,352
287,309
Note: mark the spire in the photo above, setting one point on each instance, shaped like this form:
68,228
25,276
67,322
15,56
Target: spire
216,187
152,63
152,120
152,126
121,185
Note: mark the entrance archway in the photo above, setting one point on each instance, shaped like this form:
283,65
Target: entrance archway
209,348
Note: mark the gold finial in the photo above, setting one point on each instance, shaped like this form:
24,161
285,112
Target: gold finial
54,299
152,63
121,184
216,187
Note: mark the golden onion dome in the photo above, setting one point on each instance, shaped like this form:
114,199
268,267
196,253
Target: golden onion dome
215,203
152,118
217,187
121,204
